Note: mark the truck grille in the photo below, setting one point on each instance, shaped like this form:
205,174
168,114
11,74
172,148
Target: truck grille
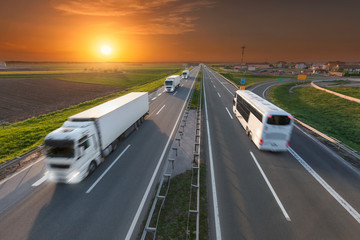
60,166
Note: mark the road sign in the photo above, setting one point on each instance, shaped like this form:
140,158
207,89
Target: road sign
301,77
242,87
243,81
280,79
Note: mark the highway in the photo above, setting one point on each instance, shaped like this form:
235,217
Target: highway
110,203
305,193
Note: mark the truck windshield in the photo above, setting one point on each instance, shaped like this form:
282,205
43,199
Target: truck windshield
59,148
169,83
60,152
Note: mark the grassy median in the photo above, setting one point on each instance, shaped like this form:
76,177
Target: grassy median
195,98
173,220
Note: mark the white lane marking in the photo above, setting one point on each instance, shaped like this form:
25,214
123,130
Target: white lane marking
258,86
15,174
222,83
160,110
271,188
327,187
40,181
213,184
266,90
181,85
340,159
175,93
112,164
214,86
159,94
146,194
153,99
219,94
229,112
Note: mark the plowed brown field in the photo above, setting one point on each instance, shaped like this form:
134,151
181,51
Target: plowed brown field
22,98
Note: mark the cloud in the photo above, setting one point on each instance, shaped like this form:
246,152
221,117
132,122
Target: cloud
107,7
157,16
170,25
12,46
178,21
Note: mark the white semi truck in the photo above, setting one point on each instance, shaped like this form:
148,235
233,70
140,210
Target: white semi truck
185,74
74,150
172,82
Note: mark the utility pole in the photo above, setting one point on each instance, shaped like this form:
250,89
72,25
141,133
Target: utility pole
242,54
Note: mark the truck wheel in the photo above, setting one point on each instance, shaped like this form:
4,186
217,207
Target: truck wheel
92,167
114,146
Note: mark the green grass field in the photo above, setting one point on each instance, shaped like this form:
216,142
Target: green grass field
348,91
334,116
18,138
250,79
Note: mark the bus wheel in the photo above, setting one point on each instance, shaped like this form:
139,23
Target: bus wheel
247,131
92,167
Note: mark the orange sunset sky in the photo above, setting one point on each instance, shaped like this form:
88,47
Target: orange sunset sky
179,30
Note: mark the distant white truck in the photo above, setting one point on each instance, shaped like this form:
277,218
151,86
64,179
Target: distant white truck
74,150
172,82
185,74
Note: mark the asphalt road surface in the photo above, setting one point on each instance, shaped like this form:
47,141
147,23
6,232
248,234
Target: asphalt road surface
307,192
110,203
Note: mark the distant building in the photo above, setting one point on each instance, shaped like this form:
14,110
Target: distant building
300,65
3,65
259,65
347,67
237,68
332,65
281,64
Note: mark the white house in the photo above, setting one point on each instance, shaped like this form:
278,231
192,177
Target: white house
300,65
280,64
3,65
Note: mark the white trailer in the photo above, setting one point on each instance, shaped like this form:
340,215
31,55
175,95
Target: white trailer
74,150
172,82
185,74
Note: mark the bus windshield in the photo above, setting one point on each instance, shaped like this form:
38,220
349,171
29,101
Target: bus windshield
278,120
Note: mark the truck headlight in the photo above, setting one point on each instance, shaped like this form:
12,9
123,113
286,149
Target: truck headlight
74,177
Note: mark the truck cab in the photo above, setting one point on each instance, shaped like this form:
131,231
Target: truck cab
72,152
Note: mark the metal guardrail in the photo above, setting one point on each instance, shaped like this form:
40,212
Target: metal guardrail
17,160
196,171
165,178
338,143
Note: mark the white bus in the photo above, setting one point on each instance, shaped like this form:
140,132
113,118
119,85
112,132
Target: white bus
267,125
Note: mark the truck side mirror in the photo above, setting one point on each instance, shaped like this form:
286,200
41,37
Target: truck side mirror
233,101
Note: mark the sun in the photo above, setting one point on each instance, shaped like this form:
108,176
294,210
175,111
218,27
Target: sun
106,50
